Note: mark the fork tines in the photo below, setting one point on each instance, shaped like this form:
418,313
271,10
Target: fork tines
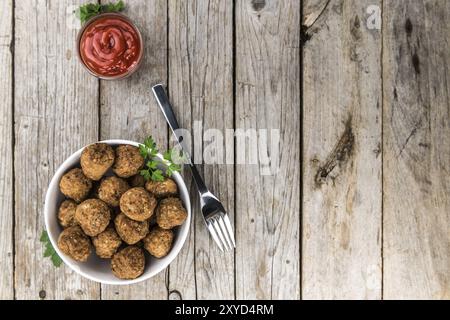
221,231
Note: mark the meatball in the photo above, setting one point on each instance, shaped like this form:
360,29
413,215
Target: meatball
170,213
158,242
128,263
66,213
93,216
162,189
138,204
137,181
111,189
96,159
75,185
128,161
107,243
129,230
74,243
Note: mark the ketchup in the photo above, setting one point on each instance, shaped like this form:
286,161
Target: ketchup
110,46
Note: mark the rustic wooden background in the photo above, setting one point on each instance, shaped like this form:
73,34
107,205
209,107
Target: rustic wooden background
361,205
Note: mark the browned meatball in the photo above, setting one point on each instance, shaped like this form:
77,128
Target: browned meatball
93,215
138,204
75,185
128,161
170,213
66,213
96,159
162,189
74,243
111,189
158,242
129,230
128,263
137,181
107,243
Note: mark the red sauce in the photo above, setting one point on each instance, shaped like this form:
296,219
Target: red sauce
110,46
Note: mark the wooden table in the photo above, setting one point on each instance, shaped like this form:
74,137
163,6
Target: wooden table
359,90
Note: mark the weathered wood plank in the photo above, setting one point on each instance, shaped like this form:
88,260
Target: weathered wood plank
55,114
416,149
129,111
341,155
201,89
6,158
268,97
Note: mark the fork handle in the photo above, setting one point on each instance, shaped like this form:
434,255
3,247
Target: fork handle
164,104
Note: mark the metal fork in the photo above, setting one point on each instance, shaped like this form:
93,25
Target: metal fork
214,214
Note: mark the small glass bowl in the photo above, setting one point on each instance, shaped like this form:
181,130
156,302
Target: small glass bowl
130,71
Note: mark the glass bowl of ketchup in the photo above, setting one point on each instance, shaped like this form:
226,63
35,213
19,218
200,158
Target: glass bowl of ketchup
110,46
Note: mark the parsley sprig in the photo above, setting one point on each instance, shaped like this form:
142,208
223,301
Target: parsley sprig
151,171
49,250
88,10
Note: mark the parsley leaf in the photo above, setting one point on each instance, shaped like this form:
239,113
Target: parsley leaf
157,175
143,151
149,151
87,11
44,236
173,168
152,165
168,155
150,143
49,250
56,260
113,7
146,174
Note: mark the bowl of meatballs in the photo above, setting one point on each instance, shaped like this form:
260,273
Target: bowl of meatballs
107,222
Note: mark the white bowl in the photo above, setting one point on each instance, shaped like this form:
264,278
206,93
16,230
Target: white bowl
94,268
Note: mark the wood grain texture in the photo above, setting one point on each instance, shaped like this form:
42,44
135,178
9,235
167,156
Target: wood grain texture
312,10
6,157
55,114
201,89
268,97
342,177
375,131
416,150
129,111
